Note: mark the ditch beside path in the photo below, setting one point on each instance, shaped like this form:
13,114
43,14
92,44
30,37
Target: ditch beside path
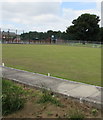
79,91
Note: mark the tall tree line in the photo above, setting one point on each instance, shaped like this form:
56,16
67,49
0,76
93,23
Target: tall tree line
85,27
33,35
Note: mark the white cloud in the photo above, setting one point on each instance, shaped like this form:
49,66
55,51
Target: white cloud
72,14
15,1
40,16
32,14
31,8
50,1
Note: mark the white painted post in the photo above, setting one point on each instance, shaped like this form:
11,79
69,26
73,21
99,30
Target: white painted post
2,64
94,101
81,100
48,74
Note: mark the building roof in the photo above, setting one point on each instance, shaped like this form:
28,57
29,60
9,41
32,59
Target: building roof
8,33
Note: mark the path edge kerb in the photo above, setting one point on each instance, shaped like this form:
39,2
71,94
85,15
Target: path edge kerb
96,104
52,77
87,101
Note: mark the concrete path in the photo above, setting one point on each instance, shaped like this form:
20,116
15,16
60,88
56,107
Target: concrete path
76,90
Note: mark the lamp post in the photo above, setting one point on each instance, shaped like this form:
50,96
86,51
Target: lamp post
3,37
16,36
0,36
8,35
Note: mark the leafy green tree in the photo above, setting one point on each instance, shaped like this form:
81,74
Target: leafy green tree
32,35
101,34
85,27
64,36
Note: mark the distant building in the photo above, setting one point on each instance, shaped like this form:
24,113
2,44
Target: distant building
10,37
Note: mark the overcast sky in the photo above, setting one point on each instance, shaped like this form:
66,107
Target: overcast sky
43,16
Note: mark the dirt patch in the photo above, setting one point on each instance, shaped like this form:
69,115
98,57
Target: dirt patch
33,109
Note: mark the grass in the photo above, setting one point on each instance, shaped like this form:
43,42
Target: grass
14,96
12,99
82,64
75,114
48,97
86,45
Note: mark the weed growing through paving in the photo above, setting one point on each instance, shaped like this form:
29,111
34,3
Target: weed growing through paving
12,99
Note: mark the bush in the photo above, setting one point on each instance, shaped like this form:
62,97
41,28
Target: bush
12,97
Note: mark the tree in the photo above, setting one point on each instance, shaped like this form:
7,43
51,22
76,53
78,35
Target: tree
101,34
85,27
65,36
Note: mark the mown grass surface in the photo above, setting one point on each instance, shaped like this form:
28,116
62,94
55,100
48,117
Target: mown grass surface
81,64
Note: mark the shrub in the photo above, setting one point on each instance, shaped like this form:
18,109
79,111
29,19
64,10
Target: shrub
12,99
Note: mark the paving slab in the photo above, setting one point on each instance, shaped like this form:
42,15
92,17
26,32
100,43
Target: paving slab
66,87
79,91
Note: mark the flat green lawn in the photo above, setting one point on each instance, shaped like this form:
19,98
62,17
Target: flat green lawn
81,64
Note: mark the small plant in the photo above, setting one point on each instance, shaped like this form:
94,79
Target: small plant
94,112
75,114
48,97
49,113
12,97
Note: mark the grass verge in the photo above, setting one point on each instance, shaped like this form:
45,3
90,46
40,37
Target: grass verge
12,97
41,104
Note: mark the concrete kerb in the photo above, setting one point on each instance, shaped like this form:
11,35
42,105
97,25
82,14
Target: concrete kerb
26,84
99,87
81,100
87,100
